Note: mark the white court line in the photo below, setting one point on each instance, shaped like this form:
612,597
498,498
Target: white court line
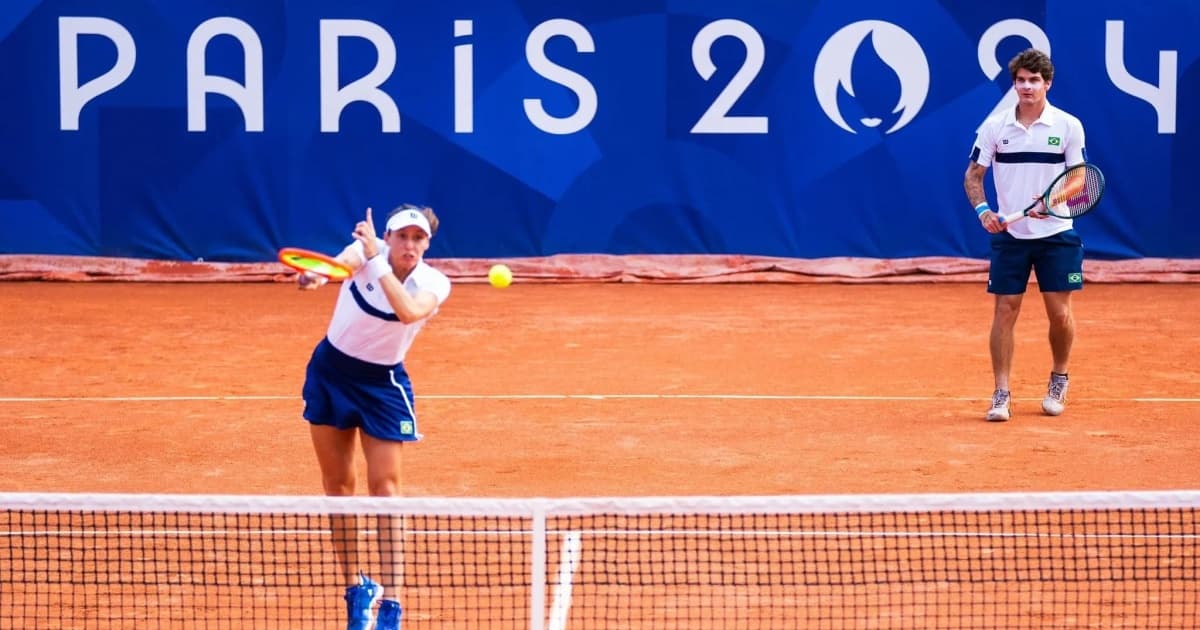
560,609
45,399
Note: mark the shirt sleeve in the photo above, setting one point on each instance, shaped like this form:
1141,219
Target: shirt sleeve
434,282
1076,153
985,145
441,288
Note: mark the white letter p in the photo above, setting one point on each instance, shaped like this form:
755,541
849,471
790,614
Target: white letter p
72,96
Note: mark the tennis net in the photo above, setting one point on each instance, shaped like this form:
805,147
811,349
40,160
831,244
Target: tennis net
1105,559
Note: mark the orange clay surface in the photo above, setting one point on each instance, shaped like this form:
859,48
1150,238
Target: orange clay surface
604,389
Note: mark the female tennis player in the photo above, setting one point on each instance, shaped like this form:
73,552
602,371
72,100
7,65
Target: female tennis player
356,386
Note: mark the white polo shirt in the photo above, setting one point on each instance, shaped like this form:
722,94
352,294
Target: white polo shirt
365,326
1026,161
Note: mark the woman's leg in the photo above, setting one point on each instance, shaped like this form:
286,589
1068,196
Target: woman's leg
384,459
335,455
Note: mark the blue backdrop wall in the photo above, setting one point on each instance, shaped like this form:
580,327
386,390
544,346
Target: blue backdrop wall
224,129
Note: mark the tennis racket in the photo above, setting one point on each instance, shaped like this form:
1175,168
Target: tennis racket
303,260
1073,193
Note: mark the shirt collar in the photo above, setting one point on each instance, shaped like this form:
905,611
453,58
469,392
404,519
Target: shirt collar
1049,115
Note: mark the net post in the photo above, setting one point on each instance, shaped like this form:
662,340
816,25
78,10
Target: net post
537,570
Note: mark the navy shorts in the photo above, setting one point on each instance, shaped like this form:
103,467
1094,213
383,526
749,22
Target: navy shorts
346,393
1057,260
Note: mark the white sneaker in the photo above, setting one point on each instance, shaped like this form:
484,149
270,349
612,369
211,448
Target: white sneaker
999,409
1056,395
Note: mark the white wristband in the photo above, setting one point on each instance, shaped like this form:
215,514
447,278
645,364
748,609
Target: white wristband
378,267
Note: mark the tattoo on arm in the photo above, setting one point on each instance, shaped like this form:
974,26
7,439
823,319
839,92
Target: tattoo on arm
973,183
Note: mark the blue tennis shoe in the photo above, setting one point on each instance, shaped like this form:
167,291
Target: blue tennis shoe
389,615
360,603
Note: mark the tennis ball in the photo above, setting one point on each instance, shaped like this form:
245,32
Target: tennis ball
500,276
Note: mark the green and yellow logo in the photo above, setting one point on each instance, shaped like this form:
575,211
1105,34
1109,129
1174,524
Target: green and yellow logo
1075,278
1054,141
406,427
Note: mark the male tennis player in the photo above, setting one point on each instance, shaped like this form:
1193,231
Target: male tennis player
1029,146
356,386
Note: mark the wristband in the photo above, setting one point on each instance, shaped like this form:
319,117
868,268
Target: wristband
378,267
981,208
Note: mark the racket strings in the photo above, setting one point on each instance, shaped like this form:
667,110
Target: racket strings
320,267
1075,195
304,260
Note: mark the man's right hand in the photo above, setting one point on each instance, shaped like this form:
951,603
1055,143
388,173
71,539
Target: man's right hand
992,223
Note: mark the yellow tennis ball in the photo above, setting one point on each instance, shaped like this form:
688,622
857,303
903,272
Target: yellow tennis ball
500,276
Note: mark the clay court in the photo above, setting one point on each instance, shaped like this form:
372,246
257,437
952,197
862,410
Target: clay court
604,389
607,389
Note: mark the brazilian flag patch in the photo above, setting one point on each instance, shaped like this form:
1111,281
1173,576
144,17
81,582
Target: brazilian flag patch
1054,141
1075,278
406,427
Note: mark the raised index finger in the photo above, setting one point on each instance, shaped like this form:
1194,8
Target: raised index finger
369,221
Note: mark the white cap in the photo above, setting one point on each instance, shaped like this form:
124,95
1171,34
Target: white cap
408,217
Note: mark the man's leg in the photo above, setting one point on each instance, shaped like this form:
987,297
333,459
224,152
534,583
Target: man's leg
1001,344
1059,267
1004,321
1062,328
1062,336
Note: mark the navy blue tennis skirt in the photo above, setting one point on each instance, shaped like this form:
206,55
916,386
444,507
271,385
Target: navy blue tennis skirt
347,393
